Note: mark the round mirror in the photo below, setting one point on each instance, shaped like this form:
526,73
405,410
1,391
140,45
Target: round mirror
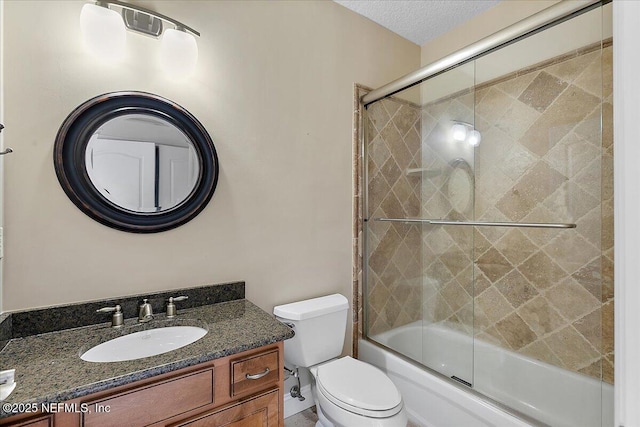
460,186
136,162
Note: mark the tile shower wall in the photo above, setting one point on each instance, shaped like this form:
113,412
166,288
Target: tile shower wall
544,293
392,129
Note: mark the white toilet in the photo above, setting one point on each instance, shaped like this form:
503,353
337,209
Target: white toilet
347,392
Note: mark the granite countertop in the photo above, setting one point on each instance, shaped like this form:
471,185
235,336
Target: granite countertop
49,369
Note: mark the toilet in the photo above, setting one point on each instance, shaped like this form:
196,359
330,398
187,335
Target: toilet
347,392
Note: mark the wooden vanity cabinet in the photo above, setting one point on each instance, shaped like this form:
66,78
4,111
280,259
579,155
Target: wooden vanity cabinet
241,390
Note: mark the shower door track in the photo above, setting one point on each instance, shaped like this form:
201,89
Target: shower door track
477,223
548,17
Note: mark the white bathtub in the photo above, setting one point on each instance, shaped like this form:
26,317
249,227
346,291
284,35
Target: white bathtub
544,392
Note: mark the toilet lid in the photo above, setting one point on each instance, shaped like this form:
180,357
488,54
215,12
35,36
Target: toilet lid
357,384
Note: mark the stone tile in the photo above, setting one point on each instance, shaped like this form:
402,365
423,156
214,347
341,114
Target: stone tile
480,243
378,152
590,128
570,107
390,105
378,297
591,78
607,127
455,295
518,161
607,370
572,348
563,251
590,327
379,258
412,141
515,246
402,189
515,86
378,116
396,145
541,317
493,149
378,189
539,183
493,265
391,311
590,226
439,240
517,119
570,202
571,155
492,336
515,331
390,171
392,206
607,278
493,105
607,71
590,277
455,259
306,418
516,289
493,305
439,273
405,118
589,177
480,284
540,351
594,370
436,309
571,300
570,69
542,91
607,327
541,271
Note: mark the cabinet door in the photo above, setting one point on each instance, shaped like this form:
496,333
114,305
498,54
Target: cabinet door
260,411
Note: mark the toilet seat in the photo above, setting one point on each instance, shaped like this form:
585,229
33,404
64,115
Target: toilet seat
359,388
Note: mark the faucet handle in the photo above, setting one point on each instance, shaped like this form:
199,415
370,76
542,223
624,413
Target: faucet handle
171,307
117,320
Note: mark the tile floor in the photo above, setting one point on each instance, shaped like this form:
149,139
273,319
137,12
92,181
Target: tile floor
308,418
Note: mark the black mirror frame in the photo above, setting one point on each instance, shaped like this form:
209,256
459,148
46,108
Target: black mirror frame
69,160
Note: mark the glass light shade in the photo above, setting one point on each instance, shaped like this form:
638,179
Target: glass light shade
178,53
103,32
459,132
474,138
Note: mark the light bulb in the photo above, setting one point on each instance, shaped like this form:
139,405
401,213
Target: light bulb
459,132
103,32
178,53
474,138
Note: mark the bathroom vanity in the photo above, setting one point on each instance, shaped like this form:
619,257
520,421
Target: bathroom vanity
233,376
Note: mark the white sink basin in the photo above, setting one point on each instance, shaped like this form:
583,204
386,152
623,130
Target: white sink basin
144,344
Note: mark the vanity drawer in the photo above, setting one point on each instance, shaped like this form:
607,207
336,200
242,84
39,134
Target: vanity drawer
260,411
254,373
154,403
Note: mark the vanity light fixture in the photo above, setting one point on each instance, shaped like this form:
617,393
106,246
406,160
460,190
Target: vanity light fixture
462,131
103,30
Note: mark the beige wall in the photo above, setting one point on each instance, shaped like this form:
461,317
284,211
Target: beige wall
274,88
498,17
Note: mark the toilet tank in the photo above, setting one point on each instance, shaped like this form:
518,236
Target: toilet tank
319,324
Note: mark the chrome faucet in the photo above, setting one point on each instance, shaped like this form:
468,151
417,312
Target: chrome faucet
117,320
146,312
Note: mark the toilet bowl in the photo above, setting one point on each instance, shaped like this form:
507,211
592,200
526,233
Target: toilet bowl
347,392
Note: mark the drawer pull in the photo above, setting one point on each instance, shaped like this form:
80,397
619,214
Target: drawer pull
257,376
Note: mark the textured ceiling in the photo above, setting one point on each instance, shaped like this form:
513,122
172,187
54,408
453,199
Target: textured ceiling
419,20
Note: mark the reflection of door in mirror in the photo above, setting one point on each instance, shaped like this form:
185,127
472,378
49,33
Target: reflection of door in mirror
123,172
178,171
